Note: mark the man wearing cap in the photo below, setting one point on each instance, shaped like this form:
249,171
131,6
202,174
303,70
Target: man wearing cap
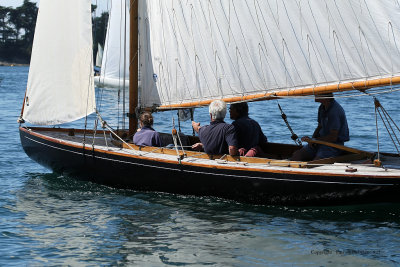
332,127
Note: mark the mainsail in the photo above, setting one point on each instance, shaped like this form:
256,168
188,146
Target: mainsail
115,63
60,84
195,51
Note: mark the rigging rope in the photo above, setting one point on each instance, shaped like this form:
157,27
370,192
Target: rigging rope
377,131
388,123
176,138
294,136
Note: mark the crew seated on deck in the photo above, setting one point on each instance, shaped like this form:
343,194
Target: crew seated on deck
146,135
332,127
249,133
219,137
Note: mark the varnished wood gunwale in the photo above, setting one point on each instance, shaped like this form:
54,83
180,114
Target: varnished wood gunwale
244,184
89,148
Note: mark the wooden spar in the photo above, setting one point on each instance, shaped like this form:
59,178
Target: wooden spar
344,148
359,85
133,66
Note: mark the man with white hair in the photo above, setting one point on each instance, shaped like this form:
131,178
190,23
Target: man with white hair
219,137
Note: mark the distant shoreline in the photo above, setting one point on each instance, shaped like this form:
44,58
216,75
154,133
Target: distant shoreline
11,64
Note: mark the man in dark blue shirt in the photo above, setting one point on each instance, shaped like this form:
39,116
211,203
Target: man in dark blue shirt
146,136
218,137
249,133
332,127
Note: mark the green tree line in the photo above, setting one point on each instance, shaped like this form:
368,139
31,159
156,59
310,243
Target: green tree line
17,28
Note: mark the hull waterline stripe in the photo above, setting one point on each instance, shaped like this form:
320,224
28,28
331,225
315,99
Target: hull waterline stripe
291,172
208,173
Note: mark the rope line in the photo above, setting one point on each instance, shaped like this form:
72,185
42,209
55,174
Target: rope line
387,121
294,136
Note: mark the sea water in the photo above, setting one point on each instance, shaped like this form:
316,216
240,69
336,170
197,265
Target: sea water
48,219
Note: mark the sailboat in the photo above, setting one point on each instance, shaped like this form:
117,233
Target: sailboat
114,65
99,58
192,52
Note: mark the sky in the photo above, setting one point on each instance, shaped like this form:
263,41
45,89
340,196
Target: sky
14,3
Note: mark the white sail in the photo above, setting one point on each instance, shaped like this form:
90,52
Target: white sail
115,63
194,50
99,55
60,86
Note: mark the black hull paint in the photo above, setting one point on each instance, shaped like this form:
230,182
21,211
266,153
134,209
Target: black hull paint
242,185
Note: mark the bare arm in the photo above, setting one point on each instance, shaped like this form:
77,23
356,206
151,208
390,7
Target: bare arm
233,151
198,147
331,137
315,134
196,126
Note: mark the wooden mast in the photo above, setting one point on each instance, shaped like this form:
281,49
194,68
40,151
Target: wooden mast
133,65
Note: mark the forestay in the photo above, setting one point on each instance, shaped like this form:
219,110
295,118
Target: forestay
115,63
196,50
60,83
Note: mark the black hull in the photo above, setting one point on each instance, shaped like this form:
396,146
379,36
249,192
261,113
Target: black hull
121,171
